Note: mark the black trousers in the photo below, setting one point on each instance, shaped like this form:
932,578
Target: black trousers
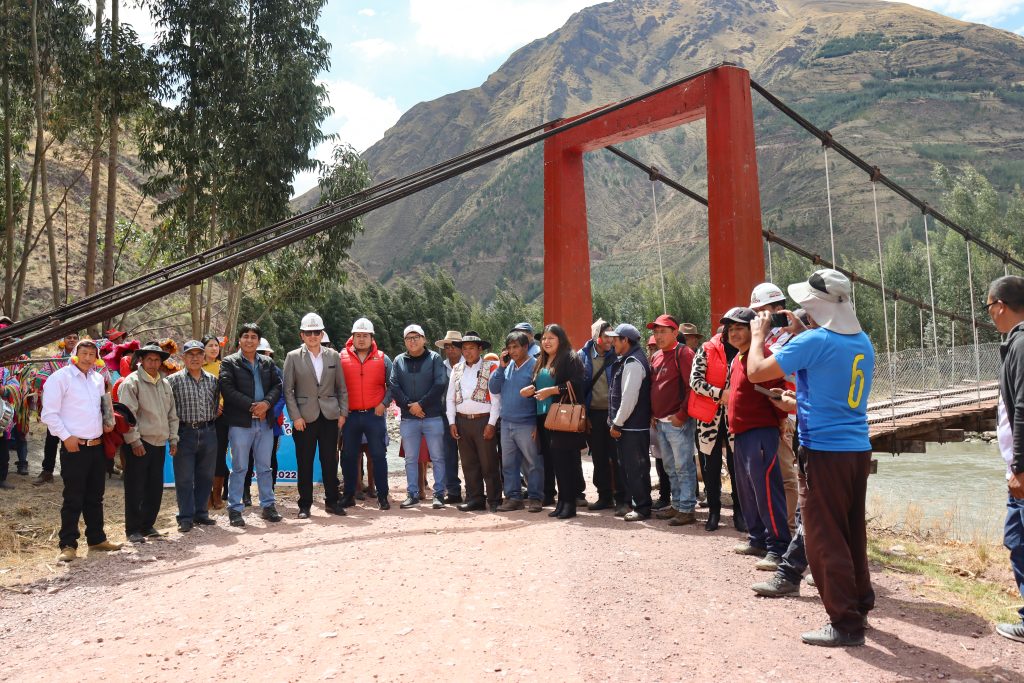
576,482
84,475
634,448
5,457
711,471
143,486
608,478
221,469
320,434
50,446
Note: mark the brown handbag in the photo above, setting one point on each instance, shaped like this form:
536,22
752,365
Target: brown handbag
567,417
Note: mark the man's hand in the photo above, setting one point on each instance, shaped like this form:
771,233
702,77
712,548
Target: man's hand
676,422
724,398
416,410
299,424
108,428
1017,486
379,410
614,432
341,422
71,444
455,432
138,449
259,410
174,449
760,328
489,432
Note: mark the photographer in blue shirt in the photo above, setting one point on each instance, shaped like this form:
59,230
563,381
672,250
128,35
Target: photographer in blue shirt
833,365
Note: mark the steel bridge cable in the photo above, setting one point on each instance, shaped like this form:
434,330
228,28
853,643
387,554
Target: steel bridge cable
828,195
890,351
771,275
657,237
826,138
931,294
974,328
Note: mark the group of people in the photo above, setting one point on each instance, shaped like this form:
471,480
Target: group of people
777,396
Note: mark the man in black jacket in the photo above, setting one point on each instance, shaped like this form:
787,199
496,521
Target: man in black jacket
250,388
1006,307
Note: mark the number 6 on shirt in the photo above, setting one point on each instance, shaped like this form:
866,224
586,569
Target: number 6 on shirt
856,375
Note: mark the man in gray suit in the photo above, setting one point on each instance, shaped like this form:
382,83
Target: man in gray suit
317,400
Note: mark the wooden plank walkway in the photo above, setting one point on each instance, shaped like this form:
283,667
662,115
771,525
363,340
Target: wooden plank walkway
896,424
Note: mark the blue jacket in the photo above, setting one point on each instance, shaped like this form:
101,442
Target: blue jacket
420,380
507,382
588,368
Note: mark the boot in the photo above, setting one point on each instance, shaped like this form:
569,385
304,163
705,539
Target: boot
568,511
216,502
558,510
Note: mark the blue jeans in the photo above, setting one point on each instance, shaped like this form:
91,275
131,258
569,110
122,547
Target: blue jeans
762,494
193,470
677,446
453,485
518,448
259,439
366,422
1013,539
413,431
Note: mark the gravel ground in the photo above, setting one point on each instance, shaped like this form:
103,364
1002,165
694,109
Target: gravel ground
467,596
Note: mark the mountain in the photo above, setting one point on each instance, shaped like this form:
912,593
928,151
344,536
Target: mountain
902,86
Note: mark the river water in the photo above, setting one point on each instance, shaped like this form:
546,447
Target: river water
958,489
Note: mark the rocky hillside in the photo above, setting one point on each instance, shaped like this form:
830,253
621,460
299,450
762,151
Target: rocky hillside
902,86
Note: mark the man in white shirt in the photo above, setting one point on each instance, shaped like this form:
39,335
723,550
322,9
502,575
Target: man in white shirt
472,414
73,412
452,355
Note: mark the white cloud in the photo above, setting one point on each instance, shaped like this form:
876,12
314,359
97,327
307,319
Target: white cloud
373,48
366,12
471,29
360,119
981,11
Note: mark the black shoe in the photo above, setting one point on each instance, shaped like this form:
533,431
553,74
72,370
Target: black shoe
336,509
739,524
235,518
829,636
493,507
152,533
204,521
453,498
557,511
438,503
568,511
383,504
661,504
548,501
303,514
471,507
713,519
601,504
621,509
410,501
23,470
360,495
247,500
136,537
271,514
348,502
581,501
185,526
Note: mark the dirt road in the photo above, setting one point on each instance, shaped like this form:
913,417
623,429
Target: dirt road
411,594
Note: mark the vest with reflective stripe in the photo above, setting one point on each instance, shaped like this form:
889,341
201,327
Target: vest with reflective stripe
704,408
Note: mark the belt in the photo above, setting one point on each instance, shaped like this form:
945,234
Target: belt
201,424
472,416
90,442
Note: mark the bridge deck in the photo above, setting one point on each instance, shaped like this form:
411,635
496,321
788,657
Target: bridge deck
904,423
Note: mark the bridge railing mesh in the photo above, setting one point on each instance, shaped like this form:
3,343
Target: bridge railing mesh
956,373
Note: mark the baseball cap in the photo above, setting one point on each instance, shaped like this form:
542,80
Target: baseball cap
664,320
625,330
311,322
362,325
523,327
826,296
766,293
413,328
651,341
738,314
192,345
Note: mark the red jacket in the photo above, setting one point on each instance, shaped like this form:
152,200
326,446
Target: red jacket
366,381
748,409
670,381
704,408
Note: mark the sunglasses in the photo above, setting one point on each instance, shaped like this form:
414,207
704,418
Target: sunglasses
313,333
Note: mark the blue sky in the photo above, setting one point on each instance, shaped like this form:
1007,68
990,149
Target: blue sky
388,55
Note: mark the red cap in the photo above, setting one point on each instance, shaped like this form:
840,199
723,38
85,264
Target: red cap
651,342
664,320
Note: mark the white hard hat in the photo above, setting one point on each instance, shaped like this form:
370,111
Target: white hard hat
362,325
311,322
766,293
324,339
264,345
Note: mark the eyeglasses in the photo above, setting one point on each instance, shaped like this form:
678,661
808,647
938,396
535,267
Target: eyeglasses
313,333
988,307
414,337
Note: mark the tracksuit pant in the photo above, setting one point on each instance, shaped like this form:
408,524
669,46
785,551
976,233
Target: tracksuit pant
762,495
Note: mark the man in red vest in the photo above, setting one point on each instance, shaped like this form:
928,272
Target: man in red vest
366,371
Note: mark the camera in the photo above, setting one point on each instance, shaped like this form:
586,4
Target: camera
780,320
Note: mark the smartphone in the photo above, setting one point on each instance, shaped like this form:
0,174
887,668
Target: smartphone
780,320
767,392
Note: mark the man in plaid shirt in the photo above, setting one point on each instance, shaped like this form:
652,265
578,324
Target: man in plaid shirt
196,394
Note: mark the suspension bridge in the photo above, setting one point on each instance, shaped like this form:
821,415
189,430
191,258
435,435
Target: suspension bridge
932,393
